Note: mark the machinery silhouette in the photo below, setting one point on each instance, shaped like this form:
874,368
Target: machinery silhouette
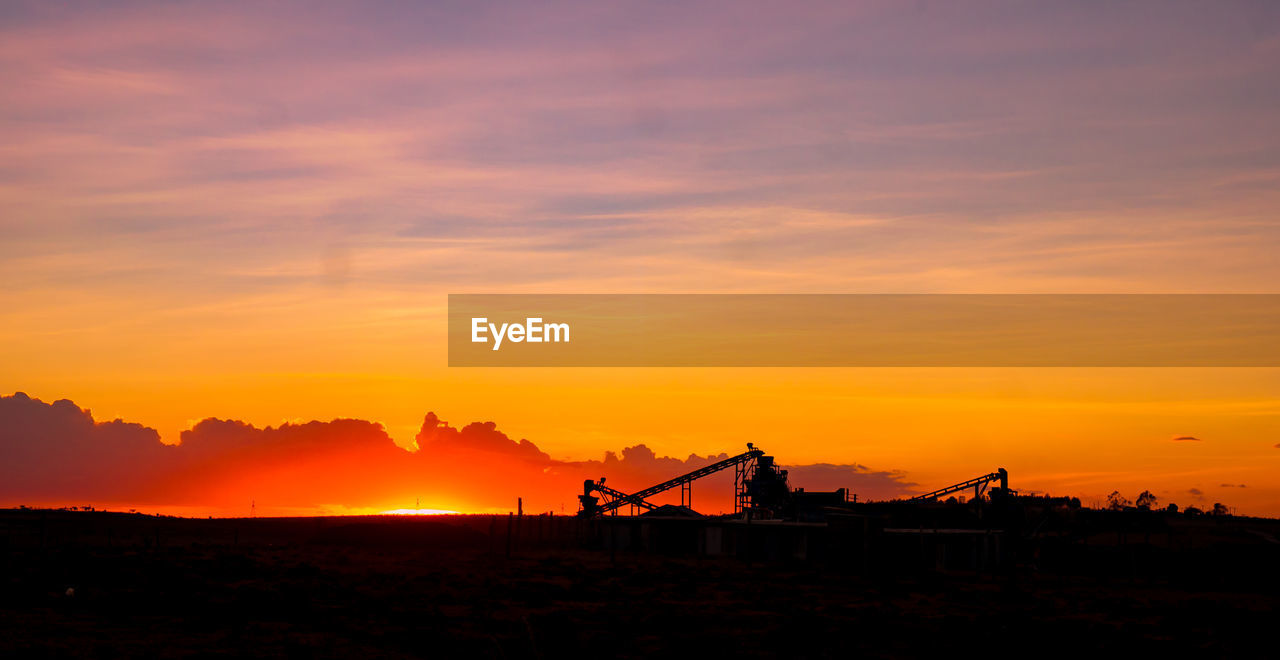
759,488
748,466
978,484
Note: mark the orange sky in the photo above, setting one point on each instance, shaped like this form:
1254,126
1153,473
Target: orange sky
257,213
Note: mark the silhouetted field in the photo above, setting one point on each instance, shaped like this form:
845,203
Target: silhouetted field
456,587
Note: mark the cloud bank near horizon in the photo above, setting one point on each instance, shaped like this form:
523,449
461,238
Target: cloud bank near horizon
59,454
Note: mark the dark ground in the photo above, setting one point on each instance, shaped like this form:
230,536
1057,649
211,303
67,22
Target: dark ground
388,587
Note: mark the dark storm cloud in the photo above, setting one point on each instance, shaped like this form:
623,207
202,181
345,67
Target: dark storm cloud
438,437
57,449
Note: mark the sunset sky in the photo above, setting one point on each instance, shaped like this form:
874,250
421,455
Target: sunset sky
255,212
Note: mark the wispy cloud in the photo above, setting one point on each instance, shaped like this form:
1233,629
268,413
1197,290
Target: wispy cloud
293,128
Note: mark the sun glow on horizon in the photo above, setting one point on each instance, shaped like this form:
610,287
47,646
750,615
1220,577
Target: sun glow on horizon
419,512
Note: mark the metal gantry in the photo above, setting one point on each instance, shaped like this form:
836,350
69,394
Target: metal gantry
743,464
978,484
615,495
